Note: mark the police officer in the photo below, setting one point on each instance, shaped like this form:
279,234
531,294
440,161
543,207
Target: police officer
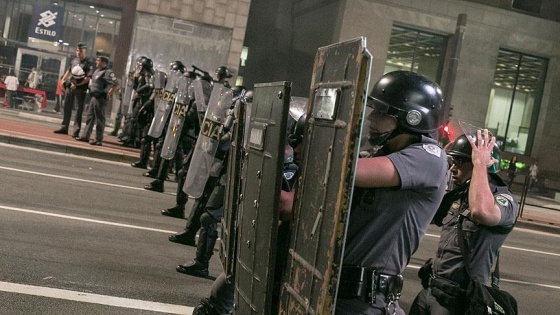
223,73
161,167
187,141
145,116
76,80
142,92
221,299
397,192
489,212
101,88
207,213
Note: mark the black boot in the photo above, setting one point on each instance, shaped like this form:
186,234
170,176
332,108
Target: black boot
151,173
186,237
205,308
193,268
139,164
157,185
176,212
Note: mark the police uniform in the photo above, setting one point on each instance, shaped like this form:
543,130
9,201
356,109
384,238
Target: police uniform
80,69
386,225
102,81
222,293
484,242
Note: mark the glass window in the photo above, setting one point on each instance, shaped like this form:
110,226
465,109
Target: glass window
417,51
515,100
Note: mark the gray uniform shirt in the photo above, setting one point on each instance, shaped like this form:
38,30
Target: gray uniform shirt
102,80
387,224
484,241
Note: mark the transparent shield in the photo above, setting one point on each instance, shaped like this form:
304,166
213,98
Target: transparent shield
211,132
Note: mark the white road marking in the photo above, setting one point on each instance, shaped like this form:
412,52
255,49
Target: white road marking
85,219
70,178
549,286
94,298
42,151
517,248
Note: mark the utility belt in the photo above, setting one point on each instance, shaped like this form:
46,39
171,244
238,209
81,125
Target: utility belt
98,94
365,283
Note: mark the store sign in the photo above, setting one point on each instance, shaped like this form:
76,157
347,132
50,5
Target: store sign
46,22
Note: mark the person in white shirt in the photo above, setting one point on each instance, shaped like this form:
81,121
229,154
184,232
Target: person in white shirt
32,78
11,82
533,171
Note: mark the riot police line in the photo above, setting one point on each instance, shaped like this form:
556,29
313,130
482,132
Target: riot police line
351,224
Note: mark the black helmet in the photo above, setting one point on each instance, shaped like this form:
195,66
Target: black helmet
147,64
463,149
413,99
223,72
296,134
177,65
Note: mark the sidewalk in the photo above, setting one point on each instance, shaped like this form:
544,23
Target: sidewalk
30,129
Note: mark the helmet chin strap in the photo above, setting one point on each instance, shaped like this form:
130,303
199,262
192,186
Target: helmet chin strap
378,138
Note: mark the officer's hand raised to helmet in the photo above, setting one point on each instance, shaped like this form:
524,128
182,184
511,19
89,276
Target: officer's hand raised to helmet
482,149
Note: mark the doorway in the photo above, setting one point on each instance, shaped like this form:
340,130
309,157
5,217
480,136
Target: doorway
50,67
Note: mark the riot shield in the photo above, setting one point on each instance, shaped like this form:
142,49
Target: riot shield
177,120
323,196
202,89
204,162
228,242
258,210
128,91
164,104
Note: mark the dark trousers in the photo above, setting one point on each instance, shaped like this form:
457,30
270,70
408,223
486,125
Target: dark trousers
426,304
78,97
95,116
59,100
10,98
222,294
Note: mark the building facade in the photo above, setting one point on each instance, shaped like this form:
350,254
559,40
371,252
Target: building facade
497,61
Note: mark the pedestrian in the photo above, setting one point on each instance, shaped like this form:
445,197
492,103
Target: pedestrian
11,82
396,193
512,170
76,80
59,95
533,172
481,205
32,79
101,89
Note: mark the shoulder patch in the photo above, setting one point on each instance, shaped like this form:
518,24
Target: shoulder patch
432,149
502,200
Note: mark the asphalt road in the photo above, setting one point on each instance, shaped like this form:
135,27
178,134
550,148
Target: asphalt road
88,227
80,236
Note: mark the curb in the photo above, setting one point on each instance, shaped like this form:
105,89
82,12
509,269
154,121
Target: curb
61,148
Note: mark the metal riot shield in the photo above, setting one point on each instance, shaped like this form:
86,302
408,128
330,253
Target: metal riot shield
204,163
323,197
164,104
258,211
177,120
202,90
233,189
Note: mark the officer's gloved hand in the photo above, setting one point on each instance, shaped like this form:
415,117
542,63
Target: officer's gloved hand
226,137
